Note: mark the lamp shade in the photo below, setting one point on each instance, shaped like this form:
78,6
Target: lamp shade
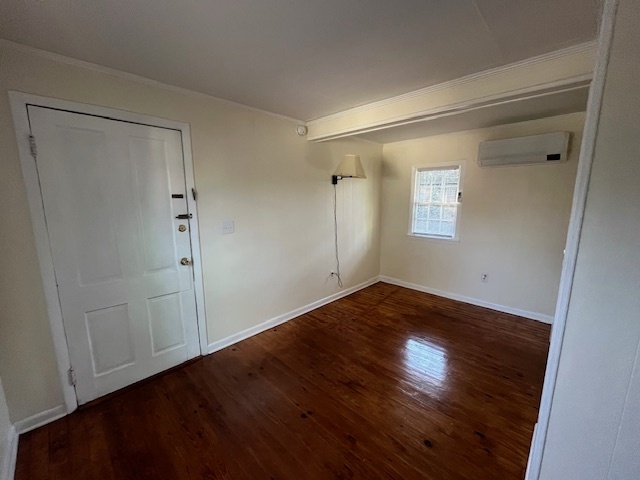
350,167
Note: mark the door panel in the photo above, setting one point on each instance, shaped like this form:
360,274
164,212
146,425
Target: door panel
83,205
128,304
154,201
167,331
110,343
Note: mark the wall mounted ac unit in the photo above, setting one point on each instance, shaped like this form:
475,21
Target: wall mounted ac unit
536,149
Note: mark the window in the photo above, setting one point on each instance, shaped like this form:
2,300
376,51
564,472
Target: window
436,201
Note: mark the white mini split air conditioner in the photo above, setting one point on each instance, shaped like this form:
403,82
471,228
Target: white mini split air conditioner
548,148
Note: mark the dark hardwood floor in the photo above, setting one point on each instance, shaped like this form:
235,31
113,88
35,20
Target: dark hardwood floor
385,383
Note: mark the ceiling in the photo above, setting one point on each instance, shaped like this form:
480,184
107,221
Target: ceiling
303,59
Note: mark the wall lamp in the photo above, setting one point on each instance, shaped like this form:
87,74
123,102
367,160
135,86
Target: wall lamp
350,167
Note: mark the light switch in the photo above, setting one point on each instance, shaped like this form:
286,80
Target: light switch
227,227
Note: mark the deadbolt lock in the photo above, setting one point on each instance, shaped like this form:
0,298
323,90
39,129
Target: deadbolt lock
185,261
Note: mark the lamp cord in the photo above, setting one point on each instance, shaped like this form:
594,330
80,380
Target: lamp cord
335,236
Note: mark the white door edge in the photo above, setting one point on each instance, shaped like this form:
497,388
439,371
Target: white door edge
19,102
587,150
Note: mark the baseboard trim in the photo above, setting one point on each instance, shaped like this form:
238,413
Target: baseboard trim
540,317
10,456
53,414
40,419
280,319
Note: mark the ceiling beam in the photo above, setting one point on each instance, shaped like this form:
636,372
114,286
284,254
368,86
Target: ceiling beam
545,74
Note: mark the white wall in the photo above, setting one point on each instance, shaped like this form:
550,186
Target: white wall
513,221
249,167
594,429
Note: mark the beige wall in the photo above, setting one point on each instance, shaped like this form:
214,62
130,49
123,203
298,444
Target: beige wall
249,167
594,428
513,222
254,169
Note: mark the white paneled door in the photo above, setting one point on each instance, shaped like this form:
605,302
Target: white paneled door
112,194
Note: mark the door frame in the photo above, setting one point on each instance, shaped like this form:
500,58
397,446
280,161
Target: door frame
587,152
19,102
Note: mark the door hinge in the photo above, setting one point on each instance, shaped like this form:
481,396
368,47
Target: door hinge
72,377
195,194
33,146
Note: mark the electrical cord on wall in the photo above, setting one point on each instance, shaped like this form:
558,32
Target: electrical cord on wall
335,236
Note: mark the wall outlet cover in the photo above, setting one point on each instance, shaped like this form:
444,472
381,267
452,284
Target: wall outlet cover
227,227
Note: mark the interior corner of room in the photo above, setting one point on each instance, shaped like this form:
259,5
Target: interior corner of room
386,229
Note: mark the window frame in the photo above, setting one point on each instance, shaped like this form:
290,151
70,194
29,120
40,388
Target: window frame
412,208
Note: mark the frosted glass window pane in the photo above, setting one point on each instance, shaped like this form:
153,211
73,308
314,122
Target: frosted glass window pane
452,177
436,197
449,213
437,176
436,193
447,229
421,226
450,194
424,194
434,212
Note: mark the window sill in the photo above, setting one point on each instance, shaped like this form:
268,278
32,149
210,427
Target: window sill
435,239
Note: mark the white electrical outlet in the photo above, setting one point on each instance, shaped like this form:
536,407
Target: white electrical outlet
227,227
484,278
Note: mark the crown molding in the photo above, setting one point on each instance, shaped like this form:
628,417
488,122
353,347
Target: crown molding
546,57
56,57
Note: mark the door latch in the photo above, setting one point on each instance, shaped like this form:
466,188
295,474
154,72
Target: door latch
184,216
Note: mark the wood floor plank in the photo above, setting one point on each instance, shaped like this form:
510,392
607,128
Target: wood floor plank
60,466
350,423
385,383
182,426
321,415
88,441
349,384
33,454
